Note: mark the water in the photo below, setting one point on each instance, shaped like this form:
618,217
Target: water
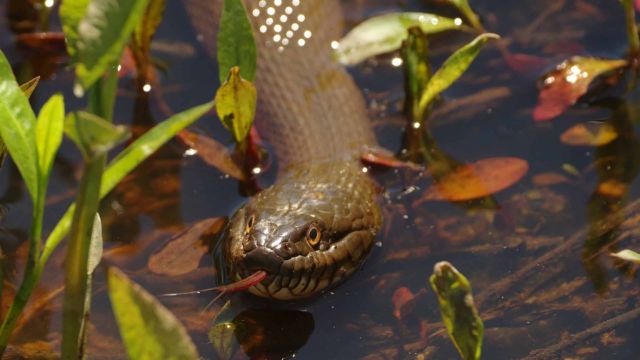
561,295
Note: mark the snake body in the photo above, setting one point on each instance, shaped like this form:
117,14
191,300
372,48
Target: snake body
313,227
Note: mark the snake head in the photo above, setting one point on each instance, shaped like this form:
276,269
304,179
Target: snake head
309,231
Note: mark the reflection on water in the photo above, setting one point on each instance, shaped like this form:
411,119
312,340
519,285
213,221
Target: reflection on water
534,260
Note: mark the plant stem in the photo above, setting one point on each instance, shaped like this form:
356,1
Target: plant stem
632,29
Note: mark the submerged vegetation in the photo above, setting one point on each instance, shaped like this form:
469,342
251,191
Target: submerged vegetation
99,35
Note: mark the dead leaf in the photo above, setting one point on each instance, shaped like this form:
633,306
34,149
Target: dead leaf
181,254
383,157
592,133
473,181
213,153
568,82
549,178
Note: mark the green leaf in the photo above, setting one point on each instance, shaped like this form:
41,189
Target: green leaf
49,130
236,104
457,309
144,31
417,70
452,68
148,329
71,13
92,134
465,9
28,87
102,35
17,127
126,161
236,45
628,255
385,33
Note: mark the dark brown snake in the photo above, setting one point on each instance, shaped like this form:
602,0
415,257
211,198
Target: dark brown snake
315,226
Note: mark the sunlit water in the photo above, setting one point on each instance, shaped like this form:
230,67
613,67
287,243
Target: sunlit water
543,307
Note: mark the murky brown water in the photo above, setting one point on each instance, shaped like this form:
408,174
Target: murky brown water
536,257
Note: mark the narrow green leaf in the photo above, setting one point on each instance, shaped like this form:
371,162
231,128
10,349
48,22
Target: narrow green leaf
452,68
148,329
385,33
459,314
144,31
71,13
49,130
17,124
125,162
236,45
465,9
236,104
30,86
92,134
628,255
102,35
417,70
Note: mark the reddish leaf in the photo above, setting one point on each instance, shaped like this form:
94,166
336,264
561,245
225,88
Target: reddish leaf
383,157
524,62
549,178
473,181
400,297
182,253
593,133
213,153
43,41
637,4
612,188
568,82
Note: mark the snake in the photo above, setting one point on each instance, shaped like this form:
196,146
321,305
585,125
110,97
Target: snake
314,227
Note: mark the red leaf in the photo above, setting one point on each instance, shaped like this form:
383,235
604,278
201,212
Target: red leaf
213,153
400,297
383,157
43,41
473,181
568,82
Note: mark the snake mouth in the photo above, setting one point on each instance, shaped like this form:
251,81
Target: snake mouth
262,258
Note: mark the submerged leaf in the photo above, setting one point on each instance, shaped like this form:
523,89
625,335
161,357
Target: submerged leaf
236,45
384,33
401,297
236,103
458,311
148,329
92,134
568,82
222,333
453,68
29,87
628,255
473,181
213,153
592,133
182,253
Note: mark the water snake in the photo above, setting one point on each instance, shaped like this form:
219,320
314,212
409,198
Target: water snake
315,226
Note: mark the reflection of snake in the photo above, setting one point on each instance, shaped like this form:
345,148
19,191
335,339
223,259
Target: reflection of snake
316,225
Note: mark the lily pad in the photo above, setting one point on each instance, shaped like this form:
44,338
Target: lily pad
384,33
593,133
568,82
477,180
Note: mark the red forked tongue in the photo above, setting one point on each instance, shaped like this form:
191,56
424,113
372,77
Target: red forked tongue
243,284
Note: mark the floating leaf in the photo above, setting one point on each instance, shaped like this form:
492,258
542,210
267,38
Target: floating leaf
549,178
92,134
49,131
628,255
568,82
385,33
236,45
182,253
459,314
236,104
452,68
148,329
213,153
29,87
17,127
592,133
103,33
473,181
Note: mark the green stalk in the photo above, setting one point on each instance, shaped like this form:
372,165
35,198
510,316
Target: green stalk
632,28
75,304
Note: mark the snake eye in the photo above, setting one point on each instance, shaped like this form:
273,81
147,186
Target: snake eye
249,225
313,235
